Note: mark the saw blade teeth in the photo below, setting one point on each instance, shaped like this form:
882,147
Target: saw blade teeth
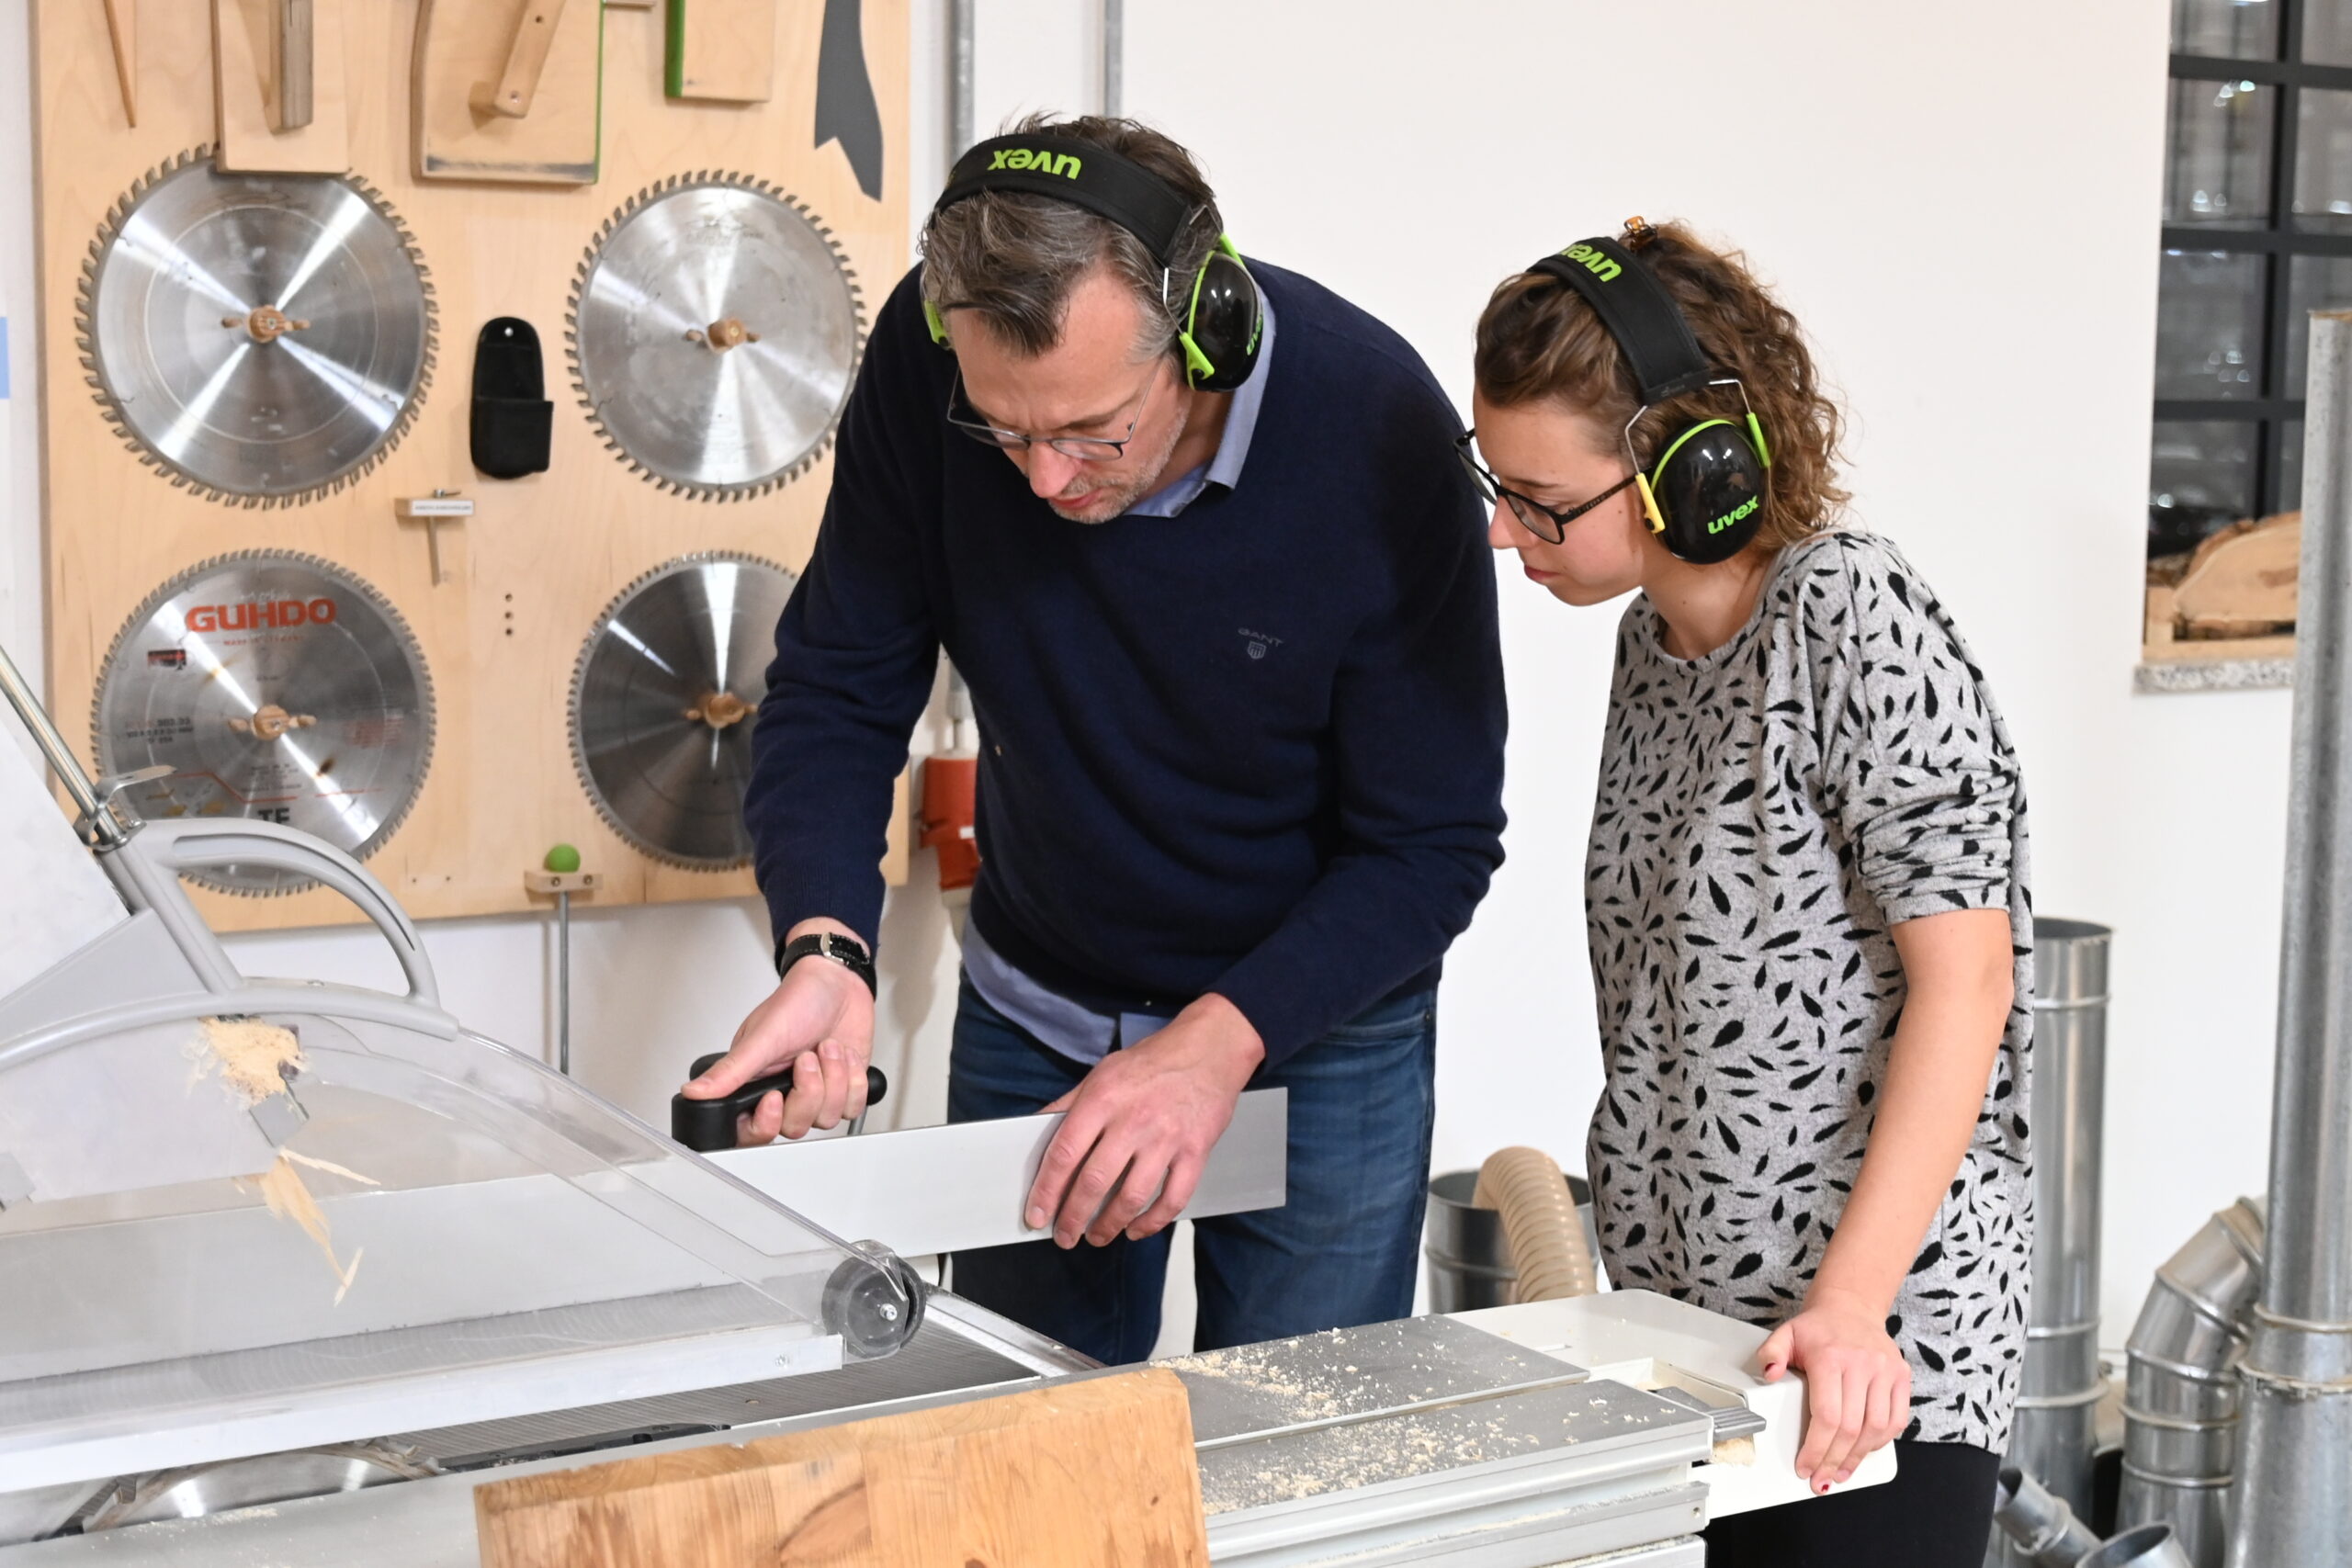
633,834
375,442
612,422
404,643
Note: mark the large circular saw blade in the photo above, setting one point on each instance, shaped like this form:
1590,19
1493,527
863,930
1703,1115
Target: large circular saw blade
263,338
664,700
714,329
276,686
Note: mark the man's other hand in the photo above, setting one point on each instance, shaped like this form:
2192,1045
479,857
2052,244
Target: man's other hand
1140,1126
819,1019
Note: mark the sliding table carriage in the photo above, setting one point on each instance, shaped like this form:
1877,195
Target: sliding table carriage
290,1268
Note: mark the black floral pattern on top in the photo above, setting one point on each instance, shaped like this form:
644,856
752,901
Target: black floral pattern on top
1765,816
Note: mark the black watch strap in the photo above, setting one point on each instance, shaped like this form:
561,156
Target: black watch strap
847,953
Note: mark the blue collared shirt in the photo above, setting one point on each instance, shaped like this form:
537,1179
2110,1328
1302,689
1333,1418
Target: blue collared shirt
1078,1032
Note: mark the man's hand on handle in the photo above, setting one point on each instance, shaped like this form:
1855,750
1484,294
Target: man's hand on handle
1140,1126
819,1019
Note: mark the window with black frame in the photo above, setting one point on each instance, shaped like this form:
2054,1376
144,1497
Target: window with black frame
2257,233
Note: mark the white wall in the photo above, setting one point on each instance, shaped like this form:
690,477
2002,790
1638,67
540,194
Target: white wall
1963,211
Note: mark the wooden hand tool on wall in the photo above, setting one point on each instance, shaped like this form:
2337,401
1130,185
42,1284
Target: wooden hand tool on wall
508,90
721,50
277,82
122,32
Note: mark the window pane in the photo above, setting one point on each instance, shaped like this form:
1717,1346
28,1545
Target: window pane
2291,466
2217,169
2228,29
2202,479
2323,162
2208,325
2327,32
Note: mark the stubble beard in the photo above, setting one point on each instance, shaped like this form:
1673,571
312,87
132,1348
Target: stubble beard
1111,499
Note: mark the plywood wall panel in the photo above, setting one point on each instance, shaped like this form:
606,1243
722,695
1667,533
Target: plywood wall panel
526,576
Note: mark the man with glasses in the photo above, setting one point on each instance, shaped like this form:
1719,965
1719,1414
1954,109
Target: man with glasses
1233,659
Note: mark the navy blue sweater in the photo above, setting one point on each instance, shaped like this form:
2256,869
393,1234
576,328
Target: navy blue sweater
1255,749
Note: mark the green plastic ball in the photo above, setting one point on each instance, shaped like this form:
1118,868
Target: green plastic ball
563,859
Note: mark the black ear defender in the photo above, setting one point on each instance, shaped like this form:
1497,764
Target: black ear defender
1705,493
1219,310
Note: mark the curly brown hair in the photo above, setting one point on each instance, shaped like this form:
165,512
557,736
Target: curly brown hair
1539,342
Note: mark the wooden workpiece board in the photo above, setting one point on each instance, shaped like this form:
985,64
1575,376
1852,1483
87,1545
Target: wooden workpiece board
527,575
1095,1473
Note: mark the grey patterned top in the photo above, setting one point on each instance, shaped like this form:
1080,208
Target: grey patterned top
1765,815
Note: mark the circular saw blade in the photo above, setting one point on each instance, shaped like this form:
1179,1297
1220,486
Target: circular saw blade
278,687
262,338
713,331
663,700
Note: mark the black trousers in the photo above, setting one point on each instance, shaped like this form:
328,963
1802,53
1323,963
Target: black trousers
1935,1512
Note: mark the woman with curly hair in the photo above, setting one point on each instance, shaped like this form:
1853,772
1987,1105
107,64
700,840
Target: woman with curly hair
1805,891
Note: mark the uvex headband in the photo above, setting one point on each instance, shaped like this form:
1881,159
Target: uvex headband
1649,327
1101,181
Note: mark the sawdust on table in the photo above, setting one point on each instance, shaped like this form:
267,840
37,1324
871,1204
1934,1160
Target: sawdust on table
1361,1454
253,1057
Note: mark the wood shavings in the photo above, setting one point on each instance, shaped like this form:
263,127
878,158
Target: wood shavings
329,1167
253,1057
282,1188
1735,1450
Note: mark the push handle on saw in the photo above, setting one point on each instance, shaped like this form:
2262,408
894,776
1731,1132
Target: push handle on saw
703,1125
195,845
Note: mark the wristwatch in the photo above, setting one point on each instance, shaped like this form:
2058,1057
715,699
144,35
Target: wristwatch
847,953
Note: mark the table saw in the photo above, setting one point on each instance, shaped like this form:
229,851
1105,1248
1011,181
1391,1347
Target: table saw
291,1266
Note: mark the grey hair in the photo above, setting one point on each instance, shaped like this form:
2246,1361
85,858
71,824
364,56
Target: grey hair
1014,258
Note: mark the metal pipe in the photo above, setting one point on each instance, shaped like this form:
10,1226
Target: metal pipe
2040,1526
1114,57
959,78
2292,1503
563,983
62,760
2181,1397
2054,1437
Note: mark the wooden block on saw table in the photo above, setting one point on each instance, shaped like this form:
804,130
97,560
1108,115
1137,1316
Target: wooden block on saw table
244,92
1096,1472
461,53
721,50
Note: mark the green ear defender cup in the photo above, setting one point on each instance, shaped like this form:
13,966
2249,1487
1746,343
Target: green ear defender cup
1222,324
1709,484
1706,494
1222,320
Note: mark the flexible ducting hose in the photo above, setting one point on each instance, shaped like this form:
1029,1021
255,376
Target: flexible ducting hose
1540,1226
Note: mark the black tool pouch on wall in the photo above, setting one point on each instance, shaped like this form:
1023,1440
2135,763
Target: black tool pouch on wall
511,417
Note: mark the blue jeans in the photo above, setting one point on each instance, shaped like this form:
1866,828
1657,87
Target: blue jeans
1341,1252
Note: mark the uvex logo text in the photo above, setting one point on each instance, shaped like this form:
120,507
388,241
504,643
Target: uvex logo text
1063,163
260,615
1593,261
1734,514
